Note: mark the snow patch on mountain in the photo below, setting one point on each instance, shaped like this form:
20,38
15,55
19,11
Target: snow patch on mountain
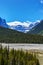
22,26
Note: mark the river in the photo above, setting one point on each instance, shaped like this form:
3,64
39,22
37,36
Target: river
24,46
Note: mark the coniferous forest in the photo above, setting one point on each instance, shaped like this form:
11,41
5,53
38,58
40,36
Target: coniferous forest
13,36
17,57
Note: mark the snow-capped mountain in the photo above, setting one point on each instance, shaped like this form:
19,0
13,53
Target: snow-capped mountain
22,26
19,26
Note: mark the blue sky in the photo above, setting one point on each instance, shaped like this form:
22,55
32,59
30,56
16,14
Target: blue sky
21,10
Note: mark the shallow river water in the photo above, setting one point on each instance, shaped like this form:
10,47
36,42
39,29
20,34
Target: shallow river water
24,46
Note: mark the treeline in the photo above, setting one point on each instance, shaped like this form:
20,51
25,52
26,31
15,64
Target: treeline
17,57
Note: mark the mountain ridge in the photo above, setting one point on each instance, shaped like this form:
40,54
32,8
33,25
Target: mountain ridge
22,27
37,29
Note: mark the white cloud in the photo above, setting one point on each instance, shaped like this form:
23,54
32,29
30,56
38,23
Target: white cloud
41,1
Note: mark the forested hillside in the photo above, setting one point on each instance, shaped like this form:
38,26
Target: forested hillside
12,36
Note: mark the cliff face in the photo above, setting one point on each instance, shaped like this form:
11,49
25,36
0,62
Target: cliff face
3,23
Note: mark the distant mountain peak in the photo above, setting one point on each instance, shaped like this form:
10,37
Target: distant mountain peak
3,23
